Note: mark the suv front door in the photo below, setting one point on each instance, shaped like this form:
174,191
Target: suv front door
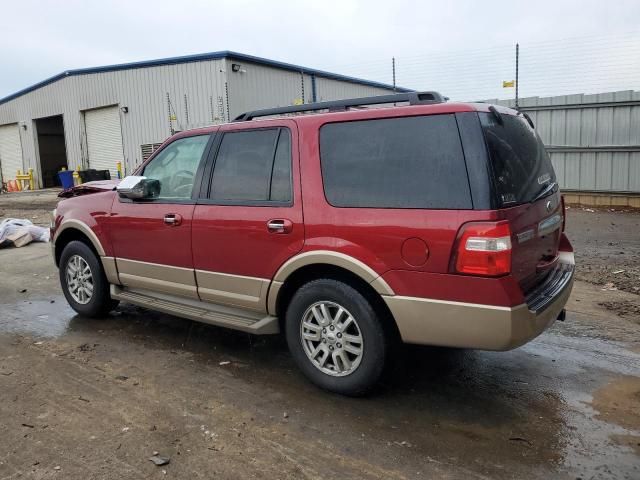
248,219
152,237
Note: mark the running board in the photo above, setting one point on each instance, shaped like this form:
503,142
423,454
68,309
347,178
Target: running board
213,314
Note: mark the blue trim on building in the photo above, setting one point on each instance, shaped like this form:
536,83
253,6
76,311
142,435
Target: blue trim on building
202,57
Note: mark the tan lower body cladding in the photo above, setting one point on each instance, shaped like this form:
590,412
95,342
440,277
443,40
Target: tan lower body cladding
160,278
212,287
466,325
419,320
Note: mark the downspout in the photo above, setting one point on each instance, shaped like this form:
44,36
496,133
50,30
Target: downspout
314,93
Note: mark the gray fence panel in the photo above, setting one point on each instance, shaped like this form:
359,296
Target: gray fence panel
593,140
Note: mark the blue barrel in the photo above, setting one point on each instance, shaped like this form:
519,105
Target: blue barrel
66,178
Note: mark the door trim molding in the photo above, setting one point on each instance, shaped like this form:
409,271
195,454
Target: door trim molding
153,276
110,269
230,289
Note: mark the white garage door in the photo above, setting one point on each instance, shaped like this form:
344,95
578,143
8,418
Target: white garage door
10,152
104,138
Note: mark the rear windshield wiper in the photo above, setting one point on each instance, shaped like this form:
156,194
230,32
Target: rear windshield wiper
545,191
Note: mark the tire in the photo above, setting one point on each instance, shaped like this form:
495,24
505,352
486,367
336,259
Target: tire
312,306
76,257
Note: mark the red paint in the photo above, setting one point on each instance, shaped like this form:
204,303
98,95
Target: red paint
411,249
529,255
414,251
93,210
236,239
138,232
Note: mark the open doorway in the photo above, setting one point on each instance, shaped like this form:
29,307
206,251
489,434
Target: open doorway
52,149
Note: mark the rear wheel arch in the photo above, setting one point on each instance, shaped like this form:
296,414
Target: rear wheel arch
315,271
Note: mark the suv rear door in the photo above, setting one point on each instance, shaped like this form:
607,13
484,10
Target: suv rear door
524,179
248,218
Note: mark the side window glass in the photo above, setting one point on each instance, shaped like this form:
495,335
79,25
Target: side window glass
281,177
253,166
175,167
409,162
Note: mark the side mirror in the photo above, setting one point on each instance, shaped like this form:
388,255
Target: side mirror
138,188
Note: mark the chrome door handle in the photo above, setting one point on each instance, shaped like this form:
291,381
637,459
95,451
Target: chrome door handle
276,225
172,219
279,226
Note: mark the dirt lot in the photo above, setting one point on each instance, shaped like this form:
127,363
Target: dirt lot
83,399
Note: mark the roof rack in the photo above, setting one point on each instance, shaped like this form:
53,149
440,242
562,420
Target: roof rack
414,98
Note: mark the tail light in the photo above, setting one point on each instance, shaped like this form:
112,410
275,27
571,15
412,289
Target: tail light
484,249
564,212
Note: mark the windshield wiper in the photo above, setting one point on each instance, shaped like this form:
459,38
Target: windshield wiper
545,191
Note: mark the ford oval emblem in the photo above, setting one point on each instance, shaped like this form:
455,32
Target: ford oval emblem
549,206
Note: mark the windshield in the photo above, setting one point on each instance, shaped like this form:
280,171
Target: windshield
521,165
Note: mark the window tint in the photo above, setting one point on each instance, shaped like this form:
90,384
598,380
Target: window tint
520,163
410,162
281,176
176,166
253,165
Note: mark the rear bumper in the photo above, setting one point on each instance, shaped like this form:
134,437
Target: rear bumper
485,327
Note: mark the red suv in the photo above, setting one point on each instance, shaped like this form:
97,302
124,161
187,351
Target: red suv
346,227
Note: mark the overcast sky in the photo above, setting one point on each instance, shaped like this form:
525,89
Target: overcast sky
41,39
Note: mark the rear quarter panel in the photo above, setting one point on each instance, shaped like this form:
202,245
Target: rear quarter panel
373,235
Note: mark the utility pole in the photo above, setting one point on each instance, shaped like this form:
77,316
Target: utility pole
517,71
393,69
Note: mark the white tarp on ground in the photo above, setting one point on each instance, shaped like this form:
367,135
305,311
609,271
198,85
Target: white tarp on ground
20,232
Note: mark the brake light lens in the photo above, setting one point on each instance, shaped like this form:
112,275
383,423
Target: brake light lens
484,249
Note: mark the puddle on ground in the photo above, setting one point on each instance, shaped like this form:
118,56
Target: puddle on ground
40,318
531,403
595,447
619,402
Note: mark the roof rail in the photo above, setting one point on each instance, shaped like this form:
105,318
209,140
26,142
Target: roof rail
414,98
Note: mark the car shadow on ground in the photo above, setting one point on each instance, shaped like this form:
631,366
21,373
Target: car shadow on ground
426,385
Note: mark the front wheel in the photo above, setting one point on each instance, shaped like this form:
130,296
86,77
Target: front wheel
336,337
83,281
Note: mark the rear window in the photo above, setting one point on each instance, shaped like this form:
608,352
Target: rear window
521,165
409,162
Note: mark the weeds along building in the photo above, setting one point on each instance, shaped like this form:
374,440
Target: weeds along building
96,117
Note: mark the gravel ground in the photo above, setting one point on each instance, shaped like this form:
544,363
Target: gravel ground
94,399
607,247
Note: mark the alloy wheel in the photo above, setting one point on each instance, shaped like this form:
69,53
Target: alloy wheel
331,338
79,279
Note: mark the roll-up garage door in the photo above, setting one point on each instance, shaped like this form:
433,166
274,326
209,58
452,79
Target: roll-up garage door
104,138
10,151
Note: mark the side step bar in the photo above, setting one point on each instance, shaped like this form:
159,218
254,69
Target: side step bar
213,314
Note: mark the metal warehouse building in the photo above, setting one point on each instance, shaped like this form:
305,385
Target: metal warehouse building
96,117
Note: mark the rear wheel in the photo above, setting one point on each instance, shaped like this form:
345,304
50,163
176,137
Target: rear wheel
336,337
83,281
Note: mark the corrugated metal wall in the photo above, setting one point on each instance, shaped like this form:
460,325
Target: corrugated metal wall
143,91
594,140
259,86
201,93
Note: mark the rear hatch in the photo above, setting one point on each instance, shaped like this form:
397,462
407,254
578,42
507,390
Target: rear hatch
527,195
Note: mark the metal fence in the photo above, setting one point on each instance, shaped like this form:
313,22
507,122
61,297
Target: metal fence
594,140
560,66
